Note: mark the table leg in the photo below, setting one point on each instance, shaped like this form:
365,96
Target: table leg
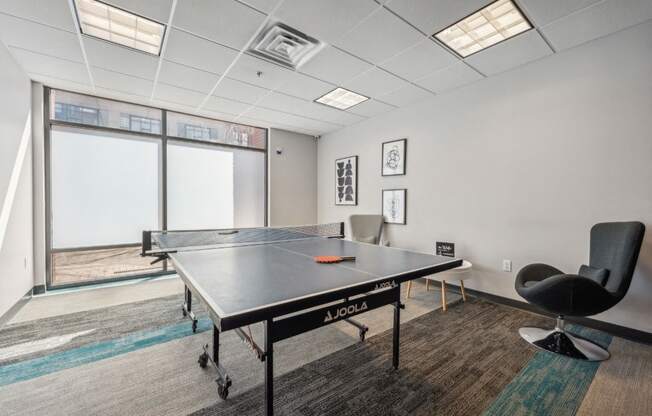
395,334
443,295
462,289
269,369
427,285
409,287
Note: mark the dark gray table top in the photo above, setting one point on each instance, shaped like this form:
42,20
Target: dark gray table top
239,280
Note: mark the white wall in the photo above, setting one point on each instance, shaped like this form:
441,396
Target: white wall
292,178
520,165
16,277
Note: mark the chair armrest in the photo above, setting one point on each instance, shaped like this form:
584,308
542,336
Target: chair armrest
535,272
569,294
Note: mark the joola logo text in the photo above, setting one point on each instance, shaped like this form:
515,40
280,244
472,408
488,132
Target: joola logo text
385,285
345,310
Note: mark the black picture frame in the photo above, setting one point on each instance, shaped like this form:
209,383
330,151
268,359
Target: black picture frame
403,219
342,179
403,157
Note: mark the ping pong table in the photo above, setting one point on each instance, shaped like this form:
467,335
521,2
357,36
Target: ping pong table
269,275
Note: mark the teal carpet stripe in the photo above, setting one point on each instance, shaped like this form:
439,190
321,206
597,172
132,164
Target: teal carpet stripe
549,384
29,369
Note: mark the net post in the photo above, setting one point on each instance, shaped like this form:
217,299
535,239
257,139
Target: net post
147,243
342,229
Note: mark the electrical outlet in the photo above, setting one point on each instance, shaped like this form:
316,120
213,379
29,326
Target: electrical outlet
507,265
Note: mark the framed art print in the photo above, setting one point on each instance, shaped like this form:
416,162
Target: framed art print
346,181
394,206
394,157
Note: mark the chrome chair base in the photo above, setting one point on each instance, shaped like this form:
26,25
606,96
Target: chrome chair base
564,343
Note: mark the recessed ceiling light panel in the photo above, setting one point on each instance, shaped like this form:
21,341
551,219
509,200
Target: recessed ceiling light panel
115,25
341,99
495,23
284,45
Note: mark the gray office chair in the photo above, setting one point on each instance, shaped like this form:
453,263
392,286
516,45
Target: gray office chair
366,228
595,288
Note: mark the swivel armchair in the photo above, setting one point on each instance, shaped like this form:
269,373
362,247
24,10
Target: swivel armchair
595,288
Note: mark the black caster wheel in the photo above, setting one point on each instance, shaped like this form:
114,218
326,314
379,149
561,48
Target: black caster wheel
194,326
222,391
362,336
203,360
183,311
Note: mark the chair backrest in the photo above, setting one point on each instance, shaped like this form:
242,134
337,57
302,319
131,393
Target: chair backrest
366,228
615,247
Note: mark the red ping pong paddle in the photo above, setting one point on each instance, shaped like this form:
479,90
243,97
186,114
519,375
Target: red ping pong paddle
333,259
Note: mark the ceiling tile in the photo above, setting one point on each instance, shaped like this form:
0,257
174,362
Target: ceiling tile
158,10
543,12
39,38
420,60
325,20
225,105
264,6
371,108
239,91
519,50
406,95
224,21
186,49
120,59
52,12
599,20
289,119
334,65
51,66
61,83
306,87
170,105
187,77
374,82
451,77
380,37
121,82
431,16
178,95
217,115
272,76
122,95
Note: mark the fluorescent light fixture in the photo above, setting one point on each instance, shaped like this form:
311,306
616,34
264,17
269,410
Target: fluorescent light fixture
106,22
495,23
341,99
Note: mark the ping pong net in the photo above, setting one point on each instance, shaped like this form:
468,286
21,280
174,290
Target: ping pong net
160,243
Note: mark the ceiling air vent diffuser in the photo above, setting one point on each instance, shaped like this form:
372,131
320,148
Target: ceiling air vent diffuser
284,45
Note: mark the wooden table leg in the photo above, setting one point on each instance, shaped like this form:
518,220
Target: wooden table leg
409,287
427,285
443,295
462,288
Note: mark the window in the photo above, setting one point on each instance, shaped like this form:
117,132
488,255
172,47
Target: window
77,114
100,112
106,185
140,124
202,129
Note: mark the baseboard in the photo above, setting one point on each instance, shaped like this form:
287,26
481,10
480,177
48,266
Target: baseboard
613,329
7,316
38,290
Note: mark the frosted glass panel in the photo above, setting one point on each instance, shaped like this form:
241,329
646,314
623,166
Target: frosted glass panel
249,179
104,188
200,187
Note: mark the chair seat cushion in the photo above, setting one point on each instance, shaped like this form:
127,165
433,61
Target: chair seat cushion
599,276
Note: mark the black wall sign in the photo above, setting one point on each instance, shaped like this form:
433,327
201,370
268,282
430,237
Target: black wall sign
445,249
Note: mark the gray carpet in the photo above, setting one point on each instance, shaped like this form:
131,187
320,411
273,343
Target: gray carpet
165,379
451,364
